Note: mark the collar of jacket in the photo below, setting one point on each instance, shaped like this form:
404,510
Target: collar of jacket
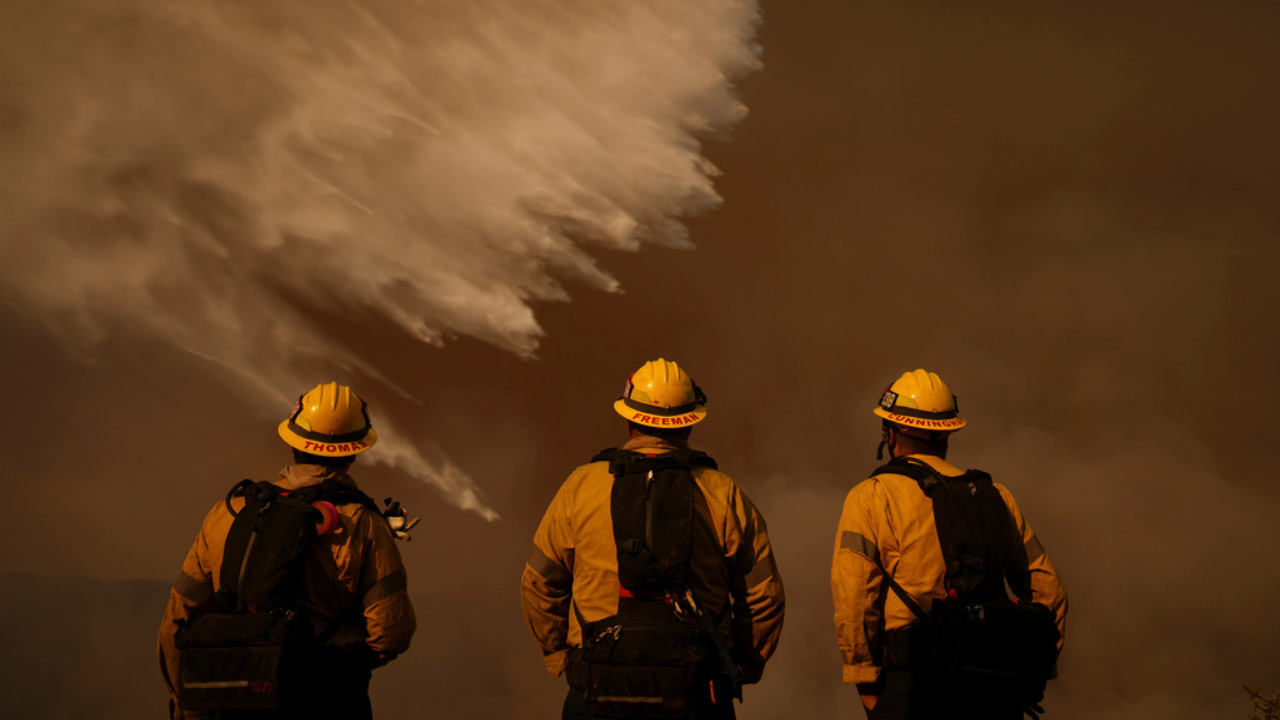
938,464
650,444
296,477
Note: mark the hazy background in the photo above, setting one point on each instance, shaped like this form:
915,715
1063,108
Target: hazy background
1068,211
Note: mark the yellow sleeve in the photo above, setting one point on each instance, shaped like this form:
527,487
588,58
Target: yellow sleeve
856,584
759,601
384,592
1031,573
546,586
191,590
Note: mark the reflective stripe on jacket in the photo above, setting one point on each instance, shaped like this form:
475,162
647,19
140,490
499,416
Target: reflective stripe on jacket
888,518
355,566
574,559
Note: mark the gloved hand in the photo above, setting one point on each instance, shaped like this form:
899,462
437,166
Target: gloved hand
398,519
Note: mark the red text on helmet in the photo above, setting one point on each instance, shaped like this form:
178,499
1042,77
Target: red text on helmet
653,420
353,447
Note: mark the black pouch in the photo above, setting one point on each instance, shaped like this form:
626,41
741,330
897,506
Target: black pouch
1018,641
241,661
650,665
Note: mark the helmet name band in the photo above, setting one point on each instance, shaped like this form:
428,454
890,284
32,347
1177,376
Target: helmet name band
660,411
923,414
324,439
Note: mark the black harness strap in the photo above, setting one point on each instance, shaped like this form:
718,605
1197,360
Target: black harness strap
648,562
975,529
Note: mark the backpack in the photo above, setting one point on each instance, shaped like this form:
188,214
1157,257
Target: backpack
661,652
976,628
249,652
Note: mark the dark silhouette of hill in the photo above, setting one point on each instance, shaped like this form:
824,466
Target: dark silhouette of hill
77,646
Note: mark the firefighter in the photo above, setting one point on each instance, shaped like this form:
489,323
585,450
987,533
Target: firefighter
888,553
572,575
354,588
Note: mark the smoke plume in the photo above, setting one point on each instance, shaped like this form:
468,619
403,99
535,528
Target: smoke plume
262,183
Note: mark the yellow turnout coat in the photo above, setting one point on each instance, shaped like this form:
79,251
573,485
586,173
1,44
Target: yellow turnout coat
574,561
355,566
888,519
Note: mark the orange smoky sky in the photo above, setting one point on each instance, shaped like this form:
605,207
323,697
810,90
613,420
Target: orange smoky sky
1069,211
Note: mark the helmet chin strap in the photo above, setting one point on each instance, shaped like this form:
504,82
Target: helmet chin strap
884,440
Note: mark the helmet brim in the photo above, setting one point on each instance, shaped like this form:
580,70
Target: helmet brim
941,425
324,449
655,419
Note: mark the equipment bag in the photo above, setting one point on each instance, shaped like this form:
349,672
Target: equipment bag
976,628
657,657
250,651
643,662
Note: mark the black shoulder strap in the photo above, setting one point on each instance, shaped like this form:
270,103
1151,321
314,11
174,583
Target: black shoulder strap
972,523
617,458
336,493
606,455
925,474
918,470
928,479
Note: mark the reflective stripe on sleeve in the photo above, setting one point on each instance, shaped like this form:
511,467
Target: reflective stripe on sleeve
215,684
191,588
850,540
1034,549
761,571
548,568
385,587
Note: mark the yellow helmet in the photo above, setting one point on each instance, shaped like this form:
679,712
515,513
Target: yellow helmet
661,395
330,421
920,399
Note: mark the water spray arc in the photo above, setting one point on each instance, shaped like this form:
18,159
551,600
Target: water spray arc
219,175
